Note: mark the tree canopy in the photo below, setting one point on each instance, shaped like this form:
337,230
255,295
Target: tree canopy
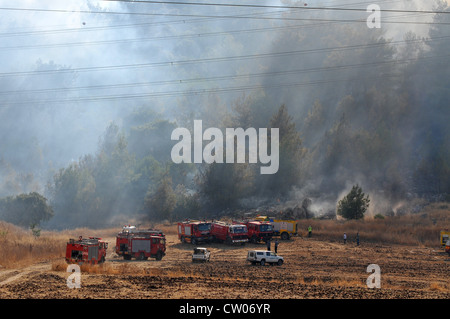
354,204
27,210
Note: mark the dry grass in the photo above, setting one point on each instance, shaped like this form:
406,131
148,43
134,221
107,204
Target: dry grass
105,268
439,286
421,229
124,269
19,247
332,282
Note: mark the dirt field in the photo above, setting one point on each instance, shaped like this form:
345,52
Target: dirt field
313,269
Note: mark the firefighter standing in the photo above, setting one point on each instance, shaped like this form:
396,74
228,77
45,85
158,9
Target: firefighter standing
276,246
345,238
268,244
309,231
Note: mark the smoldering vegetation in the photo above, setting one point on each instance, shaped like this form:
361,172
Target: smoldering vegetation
91,92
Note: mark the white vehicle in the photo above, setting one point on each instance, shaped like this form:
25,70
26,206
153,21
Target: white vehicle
264,256
201,254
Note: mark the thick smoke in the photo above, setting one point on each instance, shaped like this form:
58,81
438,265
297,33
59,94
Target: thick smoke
71,69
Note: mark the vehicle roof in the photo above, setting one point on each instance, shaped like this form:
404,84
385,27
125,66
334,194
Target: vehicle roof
195,222
260,222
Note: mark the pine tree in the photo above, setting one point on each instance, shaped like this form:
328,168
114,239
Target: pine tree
354,204
291,154
161,203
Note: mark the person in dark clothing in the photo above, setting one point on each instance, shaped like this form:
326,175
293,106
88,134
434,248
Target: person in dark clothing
268,244
276,246
357,239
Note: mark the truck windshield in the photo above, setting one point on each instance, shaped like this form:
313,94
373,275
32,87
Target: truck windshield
265,228
204,227
239,230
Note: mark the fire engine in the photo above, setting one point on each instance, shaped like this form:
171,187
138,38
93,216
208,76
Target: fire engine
140,244
259,230
91,250
229,233
194,231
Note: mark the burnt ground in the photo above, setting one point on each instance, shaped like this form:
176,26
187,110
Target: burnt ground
313,269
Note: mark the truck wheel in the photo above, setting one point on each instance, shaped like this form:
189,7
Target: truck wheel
280,262
182,239
285,236
262,262
228,241
127,257
254,240
159,255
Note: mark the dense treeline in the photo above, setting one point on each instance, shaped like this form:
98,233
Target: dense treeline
375,114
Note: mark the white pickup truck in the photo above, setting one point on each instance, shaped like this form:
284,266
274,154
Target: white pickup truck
201,254
264,256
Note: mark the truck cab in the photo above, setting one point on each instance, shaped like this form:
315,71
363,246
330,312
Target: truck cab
259,231
194,231
229,233
140,244
91,250
237,234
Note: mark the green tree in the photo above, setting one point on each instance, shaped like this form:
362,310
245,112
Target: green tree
160,204
291,154
224,184
354,204
188,204
27,210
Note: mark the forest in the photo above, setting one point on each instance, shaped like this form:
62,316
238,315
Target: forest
353,106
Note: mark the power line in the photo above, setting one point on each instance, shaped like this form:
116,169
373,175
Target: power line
134,25
239,5
221,16
224,77
159,38
216,59
198,92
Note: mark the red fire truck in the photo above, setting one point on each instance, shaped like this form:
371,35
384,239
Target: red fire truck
194,231
91,250
140,244
229,233
259,231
